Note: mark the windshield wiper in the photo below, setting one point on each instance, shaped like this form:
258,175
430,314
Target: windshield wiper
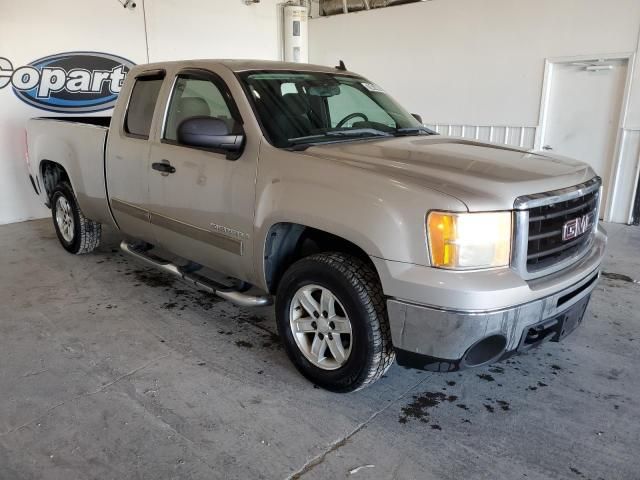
358,132
414,131
351,133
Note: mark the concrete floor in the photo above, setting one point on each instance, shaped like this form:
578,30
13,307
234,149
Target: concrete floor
109,370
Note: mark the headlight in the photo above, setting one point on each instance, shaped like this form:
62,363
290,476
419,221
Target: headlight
467,241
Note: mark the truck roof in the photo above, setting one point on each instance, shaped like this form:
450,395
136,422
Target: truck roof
242,65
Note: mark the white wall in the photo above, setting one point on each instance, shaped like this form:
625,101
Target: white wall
481,62
31,29
460,63
180,29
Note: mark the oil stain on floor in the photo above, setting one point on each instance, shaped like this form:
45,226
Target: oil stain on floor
619,276
419,408
424,406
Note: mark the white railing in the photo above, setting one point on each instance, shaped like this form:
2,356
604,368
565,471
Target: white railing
517,136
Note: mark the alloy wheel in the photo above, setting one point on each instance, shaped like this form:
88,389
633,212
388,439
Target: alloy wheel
321,327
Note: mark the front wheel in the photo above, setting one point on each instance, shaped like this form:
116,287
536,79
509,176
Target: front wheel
76,233
331,315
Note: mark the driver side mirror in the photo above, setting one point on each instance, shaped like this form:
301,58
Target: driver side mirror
417,117
210,133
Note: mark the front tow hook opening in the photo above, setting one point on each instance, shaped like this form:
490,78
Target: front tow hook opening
538,334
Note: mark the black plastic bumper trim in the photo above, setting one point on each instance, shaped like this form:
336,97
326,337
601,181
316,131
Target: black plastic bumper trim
408,359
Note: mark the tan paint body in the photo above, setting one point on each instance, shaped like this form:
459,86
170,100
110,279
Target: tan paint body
374,193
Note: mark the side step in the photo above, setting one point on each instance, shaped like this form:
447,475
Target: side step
239,298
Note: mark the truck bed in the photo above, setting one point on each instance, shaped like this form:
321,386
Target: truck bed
78,144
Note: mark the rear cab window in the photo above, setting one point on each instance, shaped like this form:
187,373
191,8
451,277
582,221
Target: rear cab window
142,104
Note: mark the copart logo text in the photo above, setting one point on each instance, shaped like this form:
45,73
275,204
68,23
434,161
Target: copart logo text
71,82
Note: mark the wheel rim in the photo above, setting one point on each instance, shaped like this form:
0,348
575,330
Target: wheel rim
321,327
64,219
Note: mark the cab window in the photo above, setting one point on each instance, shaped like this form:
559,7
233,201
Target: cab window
194,96
141,106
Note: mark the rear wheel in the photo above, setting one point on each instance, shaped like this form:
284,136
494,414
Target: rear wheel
332,317
76,233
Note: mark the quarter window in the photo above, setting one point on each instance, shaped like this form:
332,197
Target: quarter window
195,97
141,106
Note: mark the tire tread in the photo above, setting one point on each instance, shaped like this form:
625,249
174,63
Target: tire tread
90,232
367,286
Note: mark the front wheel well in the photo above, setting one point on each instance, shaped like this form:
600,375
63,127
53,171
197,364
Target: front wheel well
52,173
287,243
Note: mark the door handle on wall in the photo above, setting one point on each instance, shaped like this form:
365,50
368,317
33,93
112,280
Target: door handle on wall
165,167
547,147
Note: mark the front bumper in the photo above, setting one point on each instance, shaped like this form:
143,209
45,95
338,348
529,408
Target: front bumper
444,338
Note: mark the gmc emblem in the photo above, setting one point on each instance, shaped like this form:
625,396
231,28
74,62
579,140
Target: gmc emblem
576,227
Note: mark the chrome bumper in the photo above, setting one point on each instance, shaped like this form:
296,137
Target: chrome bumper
445,340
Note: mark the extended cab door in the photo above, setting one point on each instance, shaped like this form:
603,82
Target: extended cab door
202,201
127,156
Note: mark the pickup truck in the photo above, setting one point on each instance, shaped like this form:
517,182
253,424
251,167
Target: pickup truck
377,238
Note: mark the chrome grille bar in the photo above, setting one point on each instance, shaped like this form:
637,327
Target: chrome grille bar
539,218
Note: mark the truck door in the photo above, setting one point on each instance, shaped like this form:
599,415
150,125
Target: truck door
127,158
201,202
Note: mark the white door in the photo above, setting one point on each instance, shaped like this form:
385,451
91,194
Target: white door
582,114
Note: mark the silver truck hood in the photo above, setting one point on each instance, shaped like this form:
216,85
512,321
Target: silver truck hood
483,176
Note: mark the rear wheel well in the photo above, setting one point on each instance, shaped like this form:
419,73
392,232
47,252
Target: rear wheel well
52,174
287,243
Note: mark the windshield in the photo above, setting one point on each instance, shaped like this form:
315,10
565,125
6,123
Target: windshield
303,108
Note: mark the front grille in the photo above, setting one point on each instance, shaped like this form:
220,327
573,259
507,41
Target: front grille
545,245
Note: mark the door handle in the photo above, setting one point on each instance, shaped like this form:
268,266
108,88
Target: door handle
165,167
547,147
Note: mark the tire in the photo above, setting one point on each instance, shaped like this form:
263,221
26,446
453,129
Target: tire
357,296
76,233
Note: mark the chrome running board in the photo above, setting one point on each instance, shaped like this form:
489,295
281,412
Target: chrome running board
239,298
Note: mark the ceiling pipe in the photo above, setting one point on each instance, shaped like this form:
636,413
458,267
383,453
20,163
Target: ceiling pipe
334,7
